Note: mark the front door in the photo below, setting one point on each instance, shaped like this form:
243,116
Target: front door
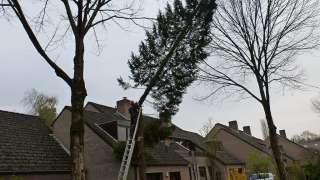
175,176
154,176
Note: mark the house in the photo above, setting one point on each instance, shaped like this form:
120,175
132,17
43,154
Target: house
242,144
104,128
297,153
29,150
313,145
193,147
238,143
180,157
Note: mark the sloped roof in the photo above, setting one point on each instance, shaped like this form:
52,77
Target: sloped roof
307,152
162,154
108,110
102,108
179,133
111,113
253,141
227,159
221,155
93,119
26,146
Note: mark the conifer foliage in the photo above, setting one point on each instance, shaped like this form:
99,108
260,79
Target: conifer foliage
167,59
166,63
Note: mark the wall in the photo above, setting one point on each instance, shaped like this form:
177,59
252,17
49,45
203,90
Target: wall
37,177
184,171
293,150
89,107
61,127
99,159
235,146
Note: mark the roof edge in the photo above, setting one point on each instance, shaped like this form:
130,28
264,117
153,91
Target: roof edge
36,172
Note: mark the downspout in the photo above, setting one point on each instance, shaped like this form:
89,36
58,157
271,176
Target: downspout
194,166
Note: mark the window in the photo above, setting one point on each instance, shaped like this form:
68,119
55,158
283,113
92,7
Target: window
210,171
175,176
110,128
122,133
202,173
154,176
218,176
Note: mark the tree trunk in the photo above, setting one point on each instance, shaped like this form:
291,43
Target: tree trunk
76,136
78,95
274,142
140,150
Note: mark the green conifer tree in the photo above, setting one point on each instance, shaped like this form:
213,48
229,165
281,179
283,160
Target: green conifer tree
166,63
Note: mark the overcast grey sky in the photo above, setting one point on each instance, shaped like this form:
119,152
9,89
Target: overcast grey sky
21,69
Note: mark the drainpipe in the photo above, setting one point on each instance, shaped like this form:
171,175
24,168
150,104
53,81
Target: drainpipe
194,166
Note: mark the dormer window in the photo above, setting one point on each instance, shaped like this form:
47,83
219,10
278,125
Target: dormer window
110,128
116,130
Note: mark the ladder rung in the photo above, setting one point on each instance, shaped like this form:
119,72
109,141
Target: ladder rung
126,159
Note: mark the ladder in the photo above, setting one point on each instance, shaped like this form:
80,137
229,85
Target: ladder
127,155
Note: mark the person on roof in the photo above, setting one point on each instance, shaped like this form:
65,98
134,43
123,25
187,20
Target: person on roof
134,112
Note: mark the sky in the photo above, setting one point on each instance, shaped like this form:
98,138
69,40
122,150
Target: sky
21,69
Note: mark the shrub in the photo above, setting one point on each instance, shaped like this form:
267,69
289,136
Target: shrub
118,150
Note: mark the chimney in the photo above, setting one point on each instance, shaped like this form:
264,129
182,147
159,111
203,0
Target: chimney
283,133
233,125
123,106
247,130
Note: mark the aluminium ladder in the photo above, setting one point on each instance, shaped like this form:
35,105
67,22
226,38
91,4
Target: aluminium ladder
127,155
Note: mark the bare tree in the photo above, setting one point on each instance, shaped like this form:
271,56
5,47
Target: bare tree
264,129
41,105
79,17
206,127
255,43
305,136
316,105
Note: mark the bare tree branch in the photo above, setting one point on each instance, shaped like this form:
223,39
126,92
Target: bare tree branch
254,45
15,5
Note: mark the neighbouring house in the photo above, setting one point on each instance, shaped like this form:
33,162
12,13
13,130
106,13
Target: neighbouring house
298,153
193,147
313,145
180,157
242,144
29,150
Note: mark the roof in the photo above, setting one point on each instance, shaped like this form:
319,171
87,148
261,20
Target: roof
251,140
306,150
226,158
27,146
162,154
93,119
179,133
102,108
159,154
221,155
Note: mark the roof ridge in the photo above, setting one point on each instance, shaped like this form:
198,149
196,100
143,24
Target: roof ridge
233,132
19,113
225,126
189,131
97,104
287,139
